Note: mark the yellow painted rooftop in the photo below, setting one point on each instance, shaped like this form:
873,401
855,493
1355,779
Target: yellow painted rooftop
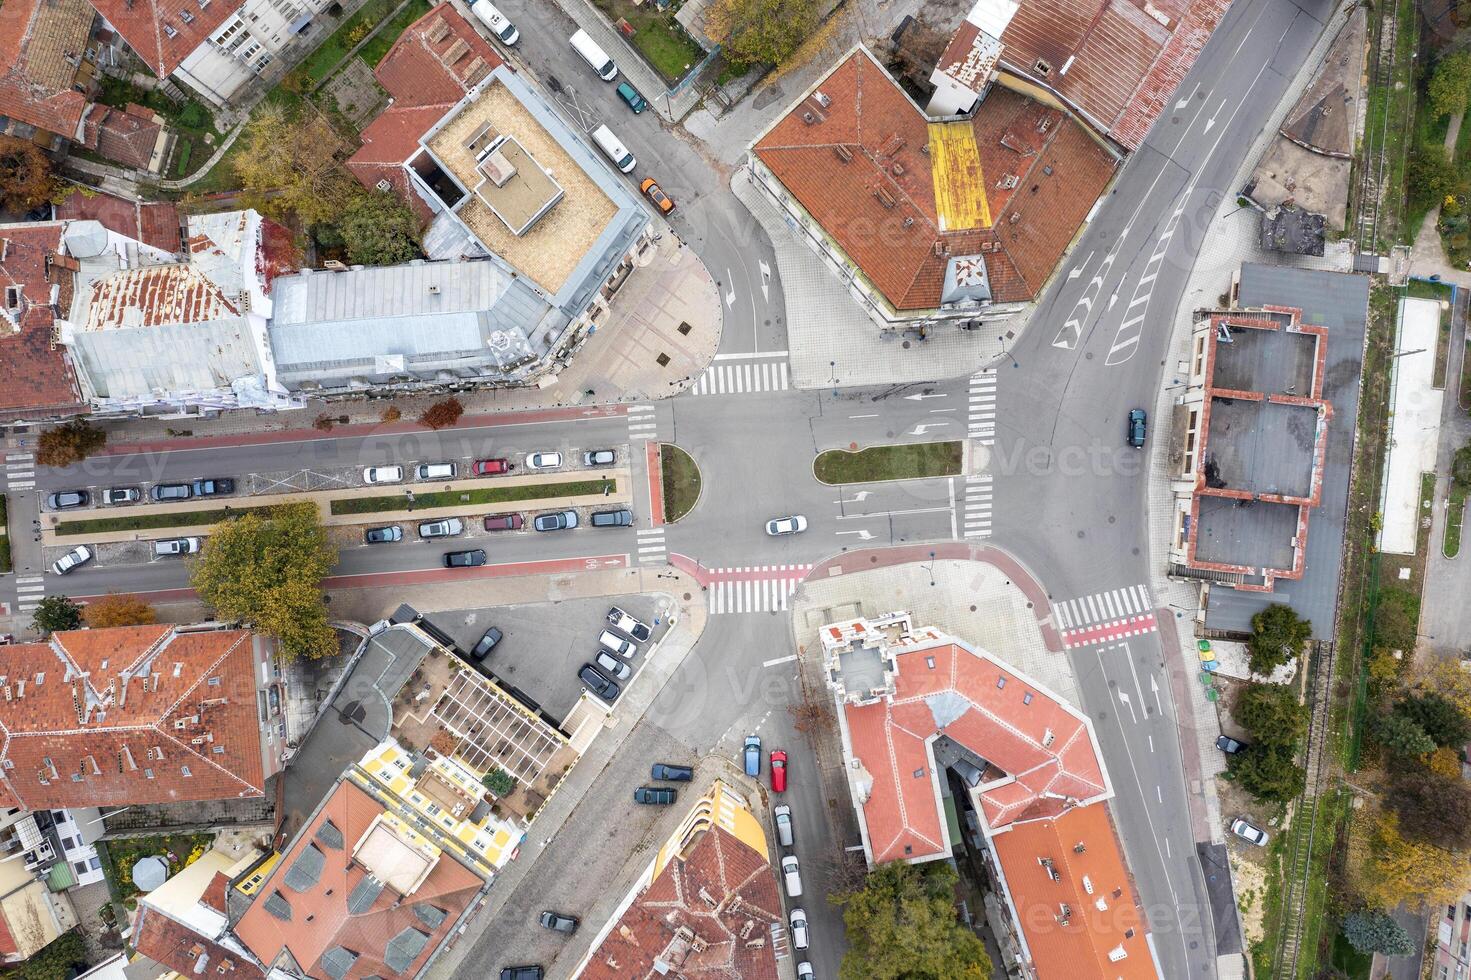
960,186
253,881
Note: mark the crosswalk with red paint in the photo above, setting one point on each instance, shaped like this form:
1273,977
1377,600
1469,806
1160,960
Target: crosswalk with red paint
1103,617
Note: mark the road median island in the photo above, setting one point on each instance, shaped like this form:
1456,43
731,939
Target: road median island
681,481
910,461
500,494
148,522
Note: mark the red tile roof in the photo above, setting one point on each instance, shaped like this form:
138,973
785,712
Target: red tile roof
37,39
1103,914
723,892
215,891
141,23
154,223
187,952
319,920
125,136
1045,748
388,142
437,59
130,715
863,170
38,381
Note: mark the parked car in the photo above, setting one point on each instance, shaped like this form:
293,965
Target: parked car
543,461
800,938
487,643
1138,426
651,190
445,527
630,95
521,973
783,816
786,525
121,495
623,517
505,522
674,774
598,683
778,771
557,520
655,795
383,535
612,666
1229,745
166,492
613,643
78,556
216,487
464,559
752,754
558,922
383,474
599,457
491,467
1249,832
627,625
805,971
67,499
791,875
435,471
169,547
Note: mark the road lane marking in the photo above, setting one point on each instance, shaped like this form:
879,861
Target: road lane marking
743,378
778,661
754,355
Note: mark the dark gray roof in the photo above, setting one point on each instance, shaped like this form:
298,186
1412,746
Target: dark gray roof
363,895
431,915
306,870
328,835
277,905
337,961
404,948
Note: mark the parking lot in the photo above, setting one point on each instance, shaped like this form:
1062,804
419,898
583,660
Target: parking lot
545,643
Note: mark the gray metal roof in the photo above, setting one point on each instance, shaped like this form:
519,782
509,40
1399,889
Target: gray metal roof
306,870
140,362
337,961
363,895
404,948
277,905
328,835
412,289
431,915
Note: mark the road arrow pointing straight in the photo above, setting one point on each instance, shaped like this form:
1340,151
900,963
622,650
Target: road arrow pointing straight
1153,686
765,281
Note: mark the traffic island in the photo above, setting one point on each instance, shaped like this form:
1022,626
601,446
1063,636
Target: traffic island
499,494
911,461
680,479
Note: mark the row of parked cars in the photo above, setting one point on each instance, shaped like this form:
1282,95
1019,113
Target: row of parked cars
791,872
159,493
617,646
498,466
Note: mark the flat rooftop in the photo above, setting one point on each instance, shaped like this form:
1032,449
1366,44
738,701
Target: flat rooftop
1262,447
1275,362
513,185
550,249
1255,533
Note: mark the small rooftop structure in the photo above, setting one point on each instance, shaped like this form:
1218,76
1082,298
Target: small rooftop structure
150,872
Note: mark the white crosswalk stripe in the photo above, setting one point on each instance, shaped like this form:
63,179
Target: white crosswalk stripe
1103,607
743,378
643,424
762,588
976,519
20,471
980,426
651,550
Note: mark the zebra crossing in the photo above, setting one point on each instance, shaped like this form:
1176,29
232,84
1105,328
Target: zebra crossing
29,591
743,377
1104,616
976,520
760,588
643,424
982,414
20,471
651,550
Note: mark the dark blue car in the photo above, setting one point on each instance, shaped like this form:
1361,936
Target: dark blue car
1138,422
753,755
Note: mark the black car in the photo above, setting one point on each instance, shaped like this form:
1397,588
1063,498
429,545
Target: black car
487,643
464,559
1229,745
521,973
612,518
654,795
598,683
66,499
383,535
557,922
1138,423
213,488
674,774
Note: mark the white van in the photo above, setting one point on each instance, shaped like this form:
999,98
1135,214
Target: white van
617,152
594,56
435,471
499,25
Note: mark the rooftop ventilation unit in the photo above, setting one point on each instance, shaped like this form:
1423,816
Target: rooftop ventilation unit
822,98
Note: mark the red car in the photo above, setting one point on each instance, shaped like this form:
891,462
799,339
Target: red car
505,522
492,467
778,770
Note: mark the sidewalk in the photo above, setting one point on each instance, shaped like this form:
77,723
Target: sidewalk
1427,257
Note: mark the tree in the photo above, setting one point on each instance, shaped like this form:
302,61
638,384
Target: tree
1438,717
1396,615
1272,714
1267,772
1402,738
1450,84
902,923
118,610
1461,468
1430,177
442,414
1433,808
380,229
499,782
762,31
26,180
63,957
56,614
69,443
1278,636
267,570
1371,931
1396,869
288,163
1447,679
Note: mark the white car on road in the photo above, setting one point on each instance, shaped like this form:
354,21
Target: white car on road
800,939
786,525
79,555
383,474
543,461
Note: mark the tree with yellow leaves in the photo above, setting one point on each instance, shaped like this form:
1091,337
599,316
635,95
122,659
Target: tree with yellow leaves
1396,870
118,610
289,161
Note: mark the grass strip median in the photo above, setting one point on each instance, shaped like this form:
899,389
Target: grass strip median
681,482
487,495
912,461
1454,514
149,522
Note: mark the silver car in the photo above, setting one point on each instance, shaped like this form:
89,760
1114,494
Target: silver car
445,527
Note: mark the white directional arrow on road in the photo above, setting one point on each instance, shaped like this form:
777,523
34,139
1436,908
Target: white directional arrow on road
922,397
861,495
1154,686
729,296
1124,697
765,281
1212,120
924,427
862,535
